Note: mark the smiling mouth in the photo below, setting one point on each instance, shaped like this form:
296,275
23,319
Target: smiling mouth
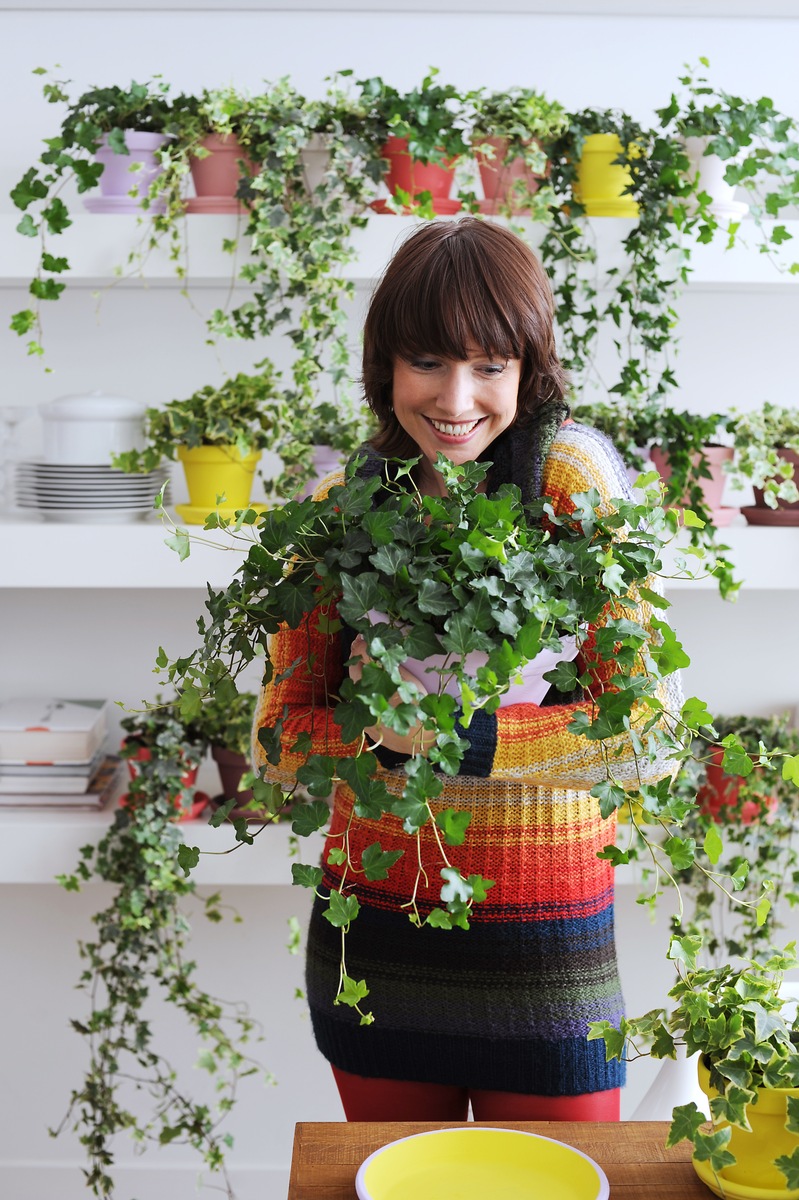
450,430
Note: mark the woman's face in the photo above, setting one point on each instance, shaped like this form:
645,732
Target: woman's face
453,406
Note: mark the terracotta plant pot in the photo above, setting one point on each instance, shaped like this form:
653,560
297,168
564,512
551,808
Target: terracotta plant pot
601,182
414,177
712,488
232,766
754,1173
499,177
216,177
718,796
213,471
786,512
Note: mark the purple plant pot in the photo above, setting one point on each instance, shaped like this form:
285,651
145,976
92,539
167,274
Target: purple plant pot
117,179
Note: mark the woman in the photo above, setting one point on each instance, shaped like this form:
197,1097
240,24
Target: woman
459,358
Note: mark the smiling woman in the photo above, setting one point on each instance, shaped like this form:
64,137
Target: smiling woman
459,359
454,407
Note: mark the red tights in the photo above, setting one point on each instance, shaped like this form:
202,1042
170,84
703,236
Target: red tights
401,1100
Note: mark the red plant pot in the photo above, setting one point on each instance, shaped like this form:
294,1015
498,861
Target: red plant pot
499,176
719,796
414,177
189,777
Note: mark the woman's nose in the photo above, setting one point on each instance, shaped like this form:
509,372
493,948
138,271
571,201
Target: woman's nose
455,396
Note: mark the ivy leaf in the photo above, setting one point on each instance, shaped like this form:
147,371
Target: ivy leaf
681,851
669,656
690,520
788,1164
341,910
614,855
762,911
352,992
686,1121
306,876
439,919
790,769
180,542
712,1148
732,1106
713,845
735,761
51,263
377,862
653,598
309,817
316,775
609,795
792,1123
695,714
221,814
336,857
27,226
685,949
480,887
615,1041
22,322
188,857
454,824
28,190
455,889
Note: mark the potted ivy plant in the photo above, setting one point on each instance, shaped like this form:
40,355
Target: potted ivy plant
766,444
510,133
424,136
136,957
742,808
110,139
758,149
732,1017
226,720
165,747
218,434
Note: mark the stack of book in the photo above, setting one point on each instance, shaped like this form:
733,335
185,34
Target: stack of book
53,754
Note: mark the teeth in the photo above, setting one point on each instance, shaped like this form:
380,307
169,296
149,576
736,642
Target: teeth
453,430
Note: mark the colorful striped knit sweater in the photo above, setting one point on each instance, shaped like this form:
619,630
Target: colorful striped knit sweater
506,1005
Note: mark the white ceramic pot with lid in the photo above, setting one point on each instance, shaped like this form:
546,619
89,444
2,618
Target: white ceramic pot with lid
87,429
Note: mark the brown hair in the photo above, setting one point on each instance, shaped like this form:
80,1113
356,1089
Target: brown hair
453,284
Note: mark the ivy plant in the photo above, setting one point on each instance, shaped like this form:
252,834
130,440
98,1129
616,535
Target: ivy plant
137,956
732,1017
758,436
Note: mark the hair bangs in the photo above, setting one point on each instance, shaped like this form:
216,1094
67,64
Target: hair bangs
450,309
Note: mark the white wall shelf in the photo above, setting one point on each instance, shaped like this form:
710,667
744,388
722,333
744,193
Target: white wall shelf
36,846
52,555
98,247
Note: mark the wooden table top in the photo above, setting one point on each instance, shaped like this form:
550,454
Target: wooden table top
632,1154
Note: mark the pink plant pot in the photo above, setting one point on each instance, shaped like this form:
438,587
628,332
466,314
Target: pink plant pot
499,176
216,176
712,488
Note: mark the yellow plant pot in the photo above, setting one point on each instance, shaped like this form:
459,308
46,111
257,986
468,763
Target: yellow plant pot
600,181
753,1176
213,471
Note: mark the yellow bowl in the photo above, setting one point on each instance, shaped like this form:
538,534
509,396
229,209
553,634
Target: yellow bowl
473,1163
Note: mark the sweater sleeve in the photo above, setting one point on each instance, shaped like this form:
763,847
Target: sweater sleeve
531,743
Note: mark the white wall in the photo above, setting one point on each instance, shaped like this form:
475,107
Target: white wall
736,348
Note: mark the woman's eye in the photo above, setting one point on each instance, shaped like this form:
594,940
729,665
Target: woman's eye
425,364
492,368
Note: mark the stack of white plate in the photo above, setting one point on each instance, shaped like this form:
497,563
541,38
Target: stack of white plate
86,494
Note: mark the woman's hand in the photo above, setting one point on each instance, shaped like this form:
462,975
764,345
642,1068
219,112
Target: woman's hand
418,740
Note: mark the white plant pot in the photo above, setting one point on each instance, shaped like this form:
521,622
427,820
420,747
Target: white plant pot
710,169
315,159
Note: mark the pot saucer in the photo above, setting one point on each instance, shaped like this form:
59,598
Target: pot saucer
440,206
755,515
724,516
121,204
728,1190
214,204
195,514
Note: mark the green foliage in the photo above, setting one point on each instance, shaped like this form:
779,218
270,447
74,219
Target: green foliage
759,435
226,717
237,413
732,1017
140,940
431,116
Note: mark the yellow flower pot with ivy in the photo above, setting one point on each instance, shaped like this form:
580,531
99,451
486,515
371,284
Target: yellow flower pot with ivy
601,182
213,471
753,1176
